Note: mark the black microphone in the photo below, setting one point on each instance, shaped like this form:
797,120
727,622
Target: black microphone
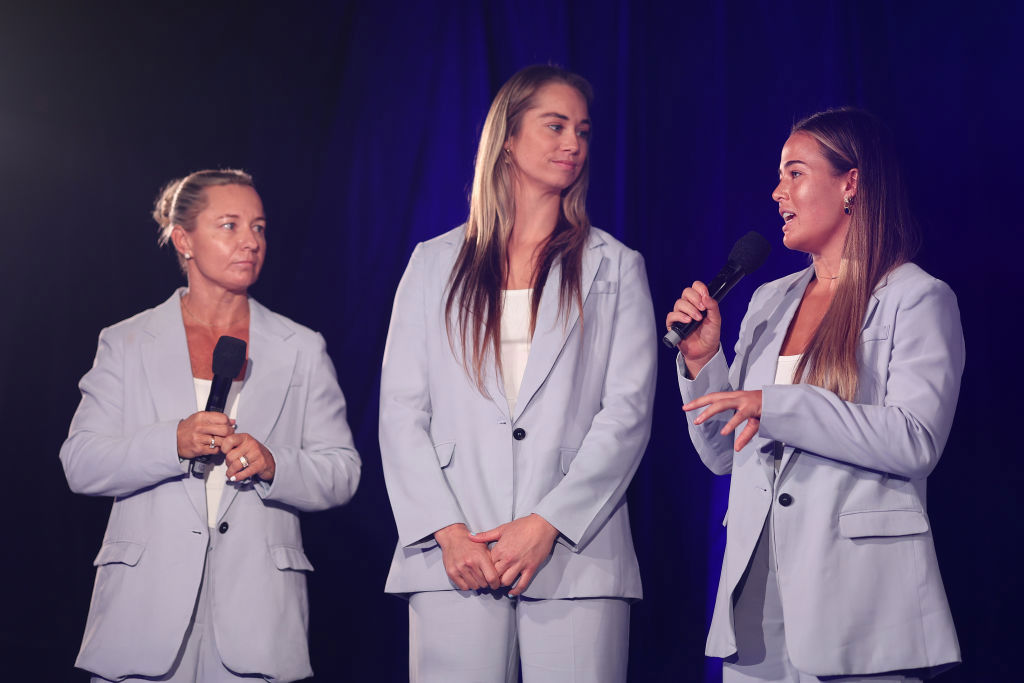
747,255
228,359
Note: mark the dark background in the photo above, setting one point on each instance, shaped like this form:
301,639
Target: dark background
359,123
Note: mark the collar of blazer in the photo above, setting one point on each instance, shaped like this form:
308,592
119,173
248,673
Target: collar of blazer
169,375
550,334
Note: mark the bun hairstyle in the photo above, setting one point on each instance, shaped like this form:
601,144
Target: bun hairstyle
181,200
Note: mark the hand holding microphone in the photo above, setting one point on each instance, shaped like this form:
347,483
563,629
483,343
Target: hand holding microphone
205,427
699,303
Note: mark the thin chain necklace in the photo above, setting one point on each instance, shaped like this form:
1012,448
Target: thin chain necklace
195,317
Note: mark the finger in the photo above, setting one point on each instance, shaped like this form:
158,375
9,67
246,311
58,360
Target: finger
458,581
524,582
734,422
748,433
698,403
712,410
508,577
689,304
486,536
219,430
490,573
700,288
244,466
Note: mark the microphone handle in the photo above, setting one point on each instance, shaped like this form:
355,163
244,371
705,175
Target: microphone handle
219,388
719,287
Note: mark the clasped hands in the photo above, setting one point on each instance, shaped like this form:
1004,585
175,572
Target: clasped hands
520,548
207,433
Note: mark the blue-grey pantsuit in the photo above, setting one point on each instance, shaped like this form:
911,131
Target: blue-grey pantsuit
857,571
582,420
123,443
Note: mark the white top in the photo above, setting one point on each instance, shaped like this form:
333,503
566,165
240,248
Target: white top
515,341
216,476
784,374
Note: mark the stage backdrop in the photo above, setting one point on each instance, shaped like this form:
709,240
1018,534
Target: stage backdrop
359,122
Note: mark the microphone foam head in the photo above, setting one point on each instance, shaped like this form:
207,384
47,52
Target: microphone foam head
228,356
750,252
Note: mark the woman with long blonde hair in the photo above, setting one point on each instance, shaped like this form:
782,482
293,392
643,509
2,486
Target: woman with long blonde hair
516,397
845,380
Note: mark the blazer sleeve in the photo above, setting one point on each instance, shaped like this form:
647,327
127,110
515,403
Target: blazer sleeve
610,453
420,497
715,450
904,435
99,458
324,470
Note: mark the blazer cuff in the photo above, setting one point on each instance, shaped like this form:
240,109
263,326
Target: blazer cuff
707,380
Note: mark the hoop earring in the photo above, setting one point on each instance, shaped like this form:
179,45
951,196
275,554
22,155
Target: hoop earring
847,204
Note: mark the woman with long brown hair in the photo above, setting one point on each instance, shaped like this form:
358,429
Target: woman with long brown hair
845,382
516,399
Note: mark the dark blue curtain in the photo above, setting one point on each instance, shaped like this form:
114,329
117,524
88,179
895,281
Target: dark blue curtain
359,122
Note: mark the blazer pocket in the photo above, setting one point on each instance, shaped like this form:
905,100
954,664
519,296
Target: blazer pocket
119,552
876,333
289,557
882,523
444,452
566,456
604,287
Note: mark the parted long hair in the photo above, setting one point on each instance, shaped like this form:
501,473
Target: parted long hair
882,236
474,301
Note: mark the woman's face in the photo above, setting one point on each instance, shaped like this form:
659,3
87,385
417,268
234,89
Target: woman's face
810,197
229,241
553,139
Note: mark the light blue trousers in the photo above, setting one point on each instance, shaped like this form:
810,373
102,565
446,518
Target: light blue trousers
470,637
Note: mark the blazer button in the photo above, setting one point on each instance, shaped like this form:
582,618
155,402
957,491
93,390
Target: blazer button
518,433
223,528
785,500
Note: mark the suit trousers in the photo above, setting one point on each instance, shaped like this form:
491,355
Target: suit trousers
484,637
198,660
760,630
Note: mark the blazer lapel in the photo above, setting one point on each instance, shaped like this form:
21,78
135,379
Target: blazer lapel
763,370
552,330
268,375
169,378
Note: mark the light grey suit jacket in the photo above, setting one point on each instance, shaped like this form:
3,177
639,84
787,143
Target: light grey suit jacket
123,443
857,570
584,405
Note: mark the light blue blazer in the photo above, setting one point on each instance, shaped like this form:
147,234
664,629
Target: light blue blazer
123,443
858,576
584,408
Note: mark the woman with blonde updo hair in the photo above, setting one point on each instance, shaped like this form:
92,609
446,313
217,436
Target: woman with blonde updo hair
201,574
832,415
516,396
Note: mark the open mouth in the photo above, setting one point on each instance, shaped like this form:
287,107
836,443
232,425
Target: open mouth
787,216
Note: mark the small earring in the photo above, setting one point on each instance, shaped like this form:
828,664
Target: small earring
847,203
188,257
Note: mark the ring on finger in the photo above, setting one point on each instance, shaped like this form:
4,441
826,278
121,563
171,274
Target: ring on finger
213,442
245,463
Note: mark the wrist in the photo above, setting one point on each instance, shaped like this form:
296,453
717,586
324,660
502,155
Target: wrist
444,535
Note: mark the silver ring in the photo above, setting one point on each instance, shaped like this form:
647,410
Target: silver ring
245,463
213,443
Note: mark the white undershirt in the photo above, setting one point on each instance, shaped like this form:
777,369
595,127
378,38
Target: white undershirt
785,372
515,341
216,476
